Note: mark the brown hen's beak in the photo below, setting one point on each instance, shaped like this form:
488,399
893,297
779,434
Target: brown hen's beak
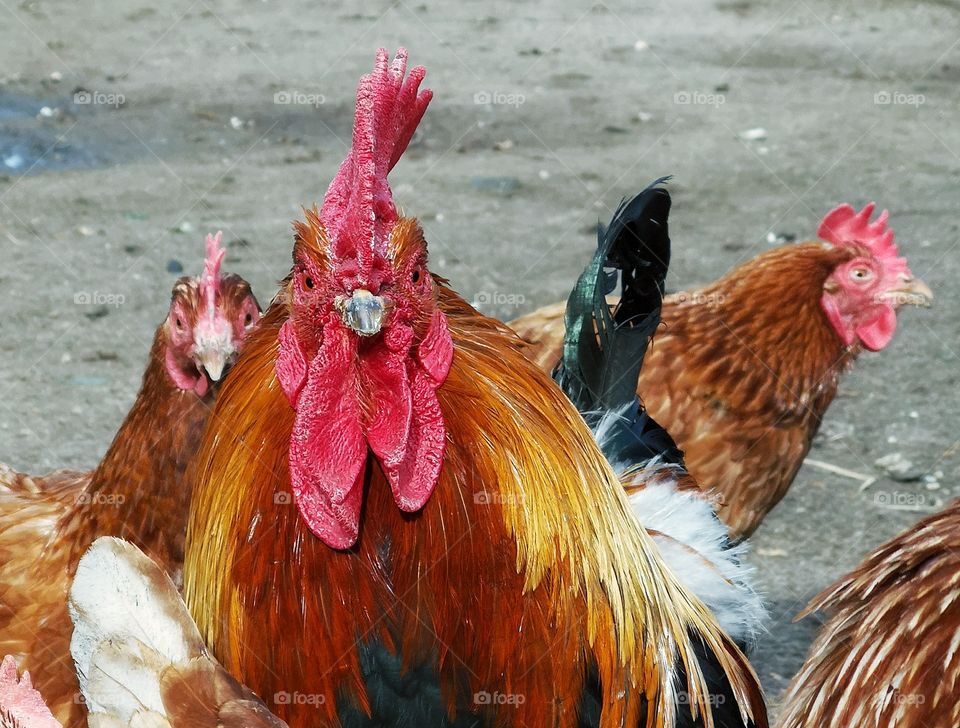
362,312
214,361
912,293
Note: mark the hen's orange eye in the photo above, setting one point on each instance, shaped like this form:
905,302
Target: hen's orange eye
308,282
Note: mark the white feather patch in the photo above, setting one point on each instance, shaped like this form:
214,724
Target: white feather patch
694,543
126,629
692,539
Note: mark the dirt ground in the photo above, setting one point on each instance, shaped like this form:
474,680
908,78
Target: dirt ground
128,130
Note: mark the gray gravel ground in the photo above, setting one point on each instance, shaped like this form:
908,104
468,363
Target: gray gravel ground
546,114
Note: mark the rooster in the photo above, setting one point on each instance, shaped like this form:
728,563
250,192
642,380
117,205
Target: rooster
743,372
140,490
603,352
888,653
417,527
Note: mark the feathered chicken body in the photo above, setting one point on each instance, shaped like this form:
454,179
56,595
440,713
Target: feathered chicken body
413,496
140,490
745,368
888,653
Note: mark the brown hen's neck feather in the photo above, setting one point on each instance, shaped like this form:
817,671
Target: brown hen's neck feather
141,485
769,312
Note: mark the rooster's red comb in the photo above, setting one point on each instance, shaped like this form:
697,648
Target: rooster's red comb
210,279
358,210
843,226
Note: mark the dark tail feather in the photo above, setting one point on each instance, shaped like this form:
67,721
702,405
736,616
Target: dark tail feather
604,346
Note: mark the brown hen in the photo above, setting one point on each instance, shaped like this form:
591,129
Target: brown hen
888,654
744,369
140,491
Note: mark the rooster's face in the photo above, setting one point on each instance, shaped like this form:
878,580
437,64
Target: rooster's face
361,355
862,294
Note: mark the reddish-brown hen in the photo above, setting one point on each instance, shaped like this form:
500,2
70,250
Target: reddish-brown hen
140,491
744,369
889,654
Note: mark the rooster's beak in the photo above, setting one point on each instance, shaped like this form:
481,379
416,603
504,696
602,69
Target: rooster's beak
362,312
913,292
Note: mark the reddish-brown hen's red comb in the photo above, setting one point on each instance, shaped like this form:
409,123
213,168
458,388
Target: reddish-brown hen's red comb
358,209
843,226
210,279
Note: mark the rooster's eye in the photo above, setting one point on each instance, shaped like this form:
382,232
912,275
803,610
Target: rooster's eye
859,274
415,276
308,282
248,319
179,324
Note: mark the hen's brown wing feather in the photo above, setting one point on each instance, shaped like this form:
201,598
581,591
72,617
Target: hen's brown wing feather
889,654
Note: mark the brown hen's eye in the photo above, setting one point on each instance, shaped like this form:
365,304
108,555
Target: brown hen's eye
248,319
415,276
308,282
179,323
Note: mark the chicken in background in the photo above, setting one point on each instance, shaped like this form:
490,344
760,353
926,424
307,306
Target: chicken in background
140,490
888,654
603,351
745,368
457,550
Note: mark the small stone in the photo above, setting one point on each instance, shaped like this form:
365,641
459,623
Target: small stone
641,45
898,468
98,313
543,174
86,231
644,116
56,76
184,227
503,146
757,134
771,552
236,122
174,266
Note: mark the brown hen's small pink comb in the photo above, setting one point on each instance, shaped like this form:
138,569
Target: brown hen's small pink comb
358,210
843,226
210,278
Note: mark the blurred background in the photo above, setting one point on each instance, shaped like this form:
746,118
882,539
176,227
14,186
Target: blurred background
128,131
